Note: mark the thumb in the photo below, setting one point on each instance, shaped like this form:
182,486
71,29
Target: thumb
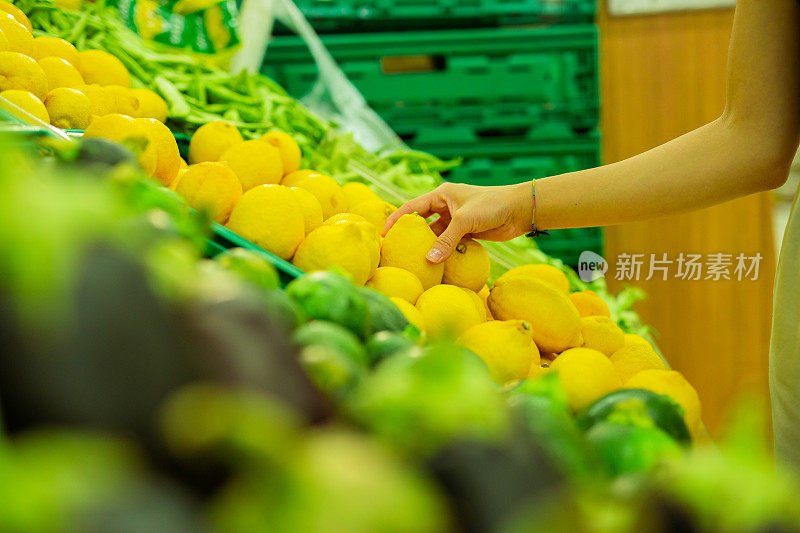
444,245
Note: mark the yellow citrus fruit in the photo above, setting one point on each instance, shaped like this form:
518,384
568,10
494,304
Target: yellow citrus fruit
555,321
169,157
369,235
602,334
60,73
586,375
339,245
102,101
293,178
27,102
211,140
102,68
255,163
18,71
19,37
546,273
5,46
181,171
447,311
151,105
271,217
68,108
505,347
484,295
589,303
396,283
477,302
468,266
327,191
125,102
411,313
126,130
288,148
673,384
537,371
211,187
356,193
632,338
54,47
630,360
312,211
376,211
406,245
17,13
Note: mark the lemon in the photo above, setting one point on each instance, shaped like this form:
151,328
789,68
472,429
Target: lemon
255,163
356,193
102,68
169,157
5,46
555,321
327,191
124,129
68,109
102,101
396,283
293,178
537,371
673,384
405,246
630,360
602,334
54,47
632,338
411,313
586,375
468,266
211,140
288,148
18,71
477,302
19,37
125,102
589,303
505,347
484,295
151,105
369,235
27,102
17,13
447,311
181,170
312,211
60,73
546,273
211,187
376,211
335,245
271,217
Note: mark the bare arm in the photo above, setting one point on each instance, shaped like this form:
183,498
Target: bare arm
749,148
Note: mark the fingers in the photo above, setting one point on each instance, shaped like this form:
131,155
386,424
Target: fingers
421,205
440,224
446,242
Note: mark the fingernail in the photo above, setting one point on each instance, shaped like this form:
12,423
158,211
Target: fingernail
435,255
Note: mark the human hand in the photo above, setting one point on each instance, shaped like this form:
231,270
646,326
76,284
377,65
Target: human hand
487,213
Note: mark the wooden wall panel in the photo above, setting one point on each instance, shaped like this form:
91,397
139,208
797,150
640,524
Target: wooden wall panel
663,75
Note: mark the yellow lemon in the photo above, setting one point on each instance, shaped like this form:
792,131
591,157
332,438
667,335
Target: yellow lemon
102,101
181,170
505,347
468,267
102,68
271,217
126,130
211,187
484,294
546,273
125,102
589,303
5,46
673,384
255,163
555,321
54,47
396,283
312,211
477,302
406,245
27,102
17,13
211,140
19,37
68,109
537,371
632,338
293,178
339,245
169,157
630,360
369,235
602,334
327,191
18,71
411,313
151,105
356,193
288,148
447,311
60,73
376,211
586,375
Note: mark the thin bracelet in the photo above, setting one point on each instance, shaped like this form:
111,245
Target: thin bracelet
535,232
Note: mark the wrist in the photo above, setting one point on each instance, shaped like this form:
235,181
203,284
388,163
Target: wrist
524,206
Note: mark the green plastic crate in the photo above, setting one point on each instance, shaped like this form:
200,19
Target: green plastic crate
552,68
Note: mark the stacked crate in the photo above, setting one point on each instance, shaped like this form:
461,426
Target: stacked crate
509,85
